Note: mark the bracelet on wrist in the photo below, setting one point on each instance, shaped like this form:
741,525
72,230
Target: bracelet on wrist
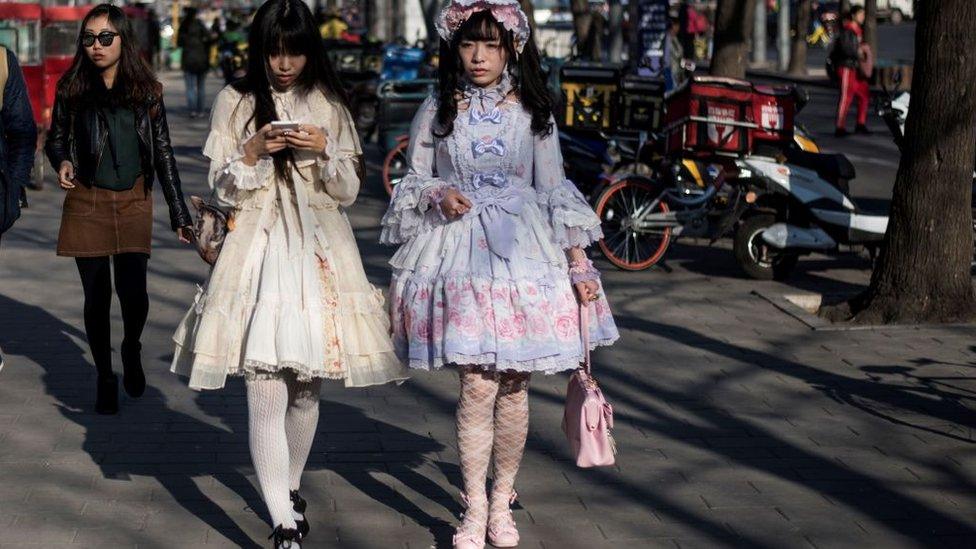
582,270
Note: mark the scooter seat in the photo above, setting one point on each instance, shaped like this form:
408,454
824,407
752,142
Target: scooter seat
832,167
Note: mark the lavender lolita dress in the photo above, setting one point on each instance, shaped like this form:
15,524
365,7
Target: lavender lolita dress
490,288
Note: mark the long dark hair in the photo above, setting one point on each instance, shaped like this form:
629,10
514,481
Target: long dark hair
285,26
525,69
135,82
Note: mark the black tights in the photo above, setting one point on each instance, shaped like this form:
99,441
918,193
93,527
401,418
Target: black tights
130,285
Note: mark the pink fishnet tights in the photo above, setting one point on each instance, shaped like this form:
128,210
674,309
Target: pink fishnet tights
492,425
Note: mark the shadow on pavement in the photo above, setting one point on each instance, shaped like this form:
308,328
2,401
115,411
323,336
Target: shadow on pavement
148,438
870,395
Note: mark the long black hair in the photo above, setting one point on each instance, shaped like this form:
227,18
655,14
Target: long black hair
135,82
285,27
525,70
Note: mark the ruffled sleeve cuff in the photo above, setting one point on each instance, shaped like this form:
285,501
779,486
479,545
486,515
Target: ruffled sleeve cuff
573,222
228,173
339,174
250,178
411,210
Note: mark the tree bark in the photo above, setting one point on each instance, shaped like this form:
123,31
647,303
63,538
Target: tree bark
589,30
871,26
923,272
529,10
733,28
798,50
616,23
430,9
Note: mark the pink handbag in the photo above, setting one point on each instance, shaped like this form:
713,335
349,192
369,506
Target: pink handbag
588,417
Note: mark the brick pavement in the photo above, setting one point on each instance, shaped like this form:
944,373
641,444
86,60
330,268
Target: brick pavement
737,425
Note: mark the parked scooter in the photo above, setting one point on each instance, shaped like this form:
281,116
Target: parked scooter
797,207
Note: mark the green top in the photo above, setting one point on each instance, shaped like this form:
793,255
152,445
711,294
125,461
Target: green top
120,163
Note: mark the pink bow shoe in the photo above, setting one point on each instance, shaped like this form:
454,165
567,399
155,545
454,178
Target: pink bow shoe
469,536
501,526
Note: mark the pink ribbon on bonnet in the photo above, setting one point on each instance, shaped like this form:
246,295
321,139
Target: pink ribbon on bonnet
507,12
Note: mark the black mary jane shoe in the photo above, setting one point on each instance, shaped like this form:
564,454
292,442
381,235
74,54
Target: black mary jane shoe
299,505
133,377
284,538
107,395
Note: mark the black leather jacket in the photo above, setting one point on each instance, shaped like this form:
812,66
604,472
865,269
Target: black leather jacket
80,136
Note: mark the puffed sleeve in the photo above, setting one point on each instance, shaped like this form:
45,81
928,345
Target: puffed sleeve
572,219
410,212
228,174
340,170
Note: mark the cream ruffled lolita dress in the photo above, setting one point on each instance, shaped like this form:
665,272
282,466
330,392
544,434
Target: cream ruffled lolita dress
288,290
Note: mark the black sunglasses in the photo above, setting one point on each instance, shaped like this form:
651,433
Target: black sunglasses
105,38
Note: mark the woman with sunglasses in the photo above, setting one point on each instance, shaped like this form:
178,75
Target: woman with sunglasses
108,141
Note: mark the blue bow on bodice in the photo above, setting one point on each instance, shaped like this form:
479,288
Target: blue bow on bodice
494,116
482,146
495,179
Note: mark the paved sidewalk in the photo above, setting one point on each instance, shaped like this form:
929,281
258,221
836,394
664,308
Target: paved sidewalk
737,425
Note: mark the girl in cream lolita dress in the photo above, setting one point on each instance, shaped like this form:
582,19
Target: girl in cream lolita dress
288,291
287,303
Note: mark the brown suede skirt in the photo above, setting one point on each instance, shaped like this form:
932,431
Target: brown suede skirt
97,222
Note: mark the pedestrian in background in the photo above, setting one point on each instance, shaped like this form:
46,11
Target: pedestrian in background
18,139
108,137
18,134
195,41
853,60
287,303
154,37
492,272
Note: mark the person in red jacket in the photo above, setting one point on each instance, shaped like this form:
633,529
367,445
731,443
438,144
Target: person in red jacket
854,61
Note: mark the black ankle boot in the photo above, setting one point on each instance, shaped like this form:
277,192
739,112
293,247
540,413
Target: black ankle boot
299,505
107,395
133,378
286,538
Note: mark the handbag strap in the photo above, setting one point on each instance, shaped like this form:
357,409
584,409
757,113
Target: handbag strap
585,335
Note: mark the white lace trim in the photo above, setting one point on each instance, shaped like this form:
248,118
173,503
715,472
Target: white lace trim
546,365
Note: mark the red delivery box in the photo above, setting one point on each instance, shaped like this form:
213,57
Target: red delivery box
711,114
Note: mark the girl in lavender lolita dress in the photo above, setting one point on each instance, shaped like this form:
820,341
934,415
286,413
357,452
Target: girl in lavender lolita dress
492,241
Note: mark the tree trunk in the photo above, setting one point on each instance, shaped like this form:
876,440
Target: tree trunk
589,30
923,272
798,50
529,10
430,9
871,26
733,28
616,23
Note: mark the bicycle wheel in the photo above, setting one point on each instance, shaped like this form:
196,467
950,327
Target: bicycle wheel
628,247
395,165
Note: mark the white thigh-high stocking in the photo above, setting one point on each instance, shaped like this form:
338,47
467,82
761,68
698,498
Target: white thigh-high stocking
267,401
511,430
475,413
301,421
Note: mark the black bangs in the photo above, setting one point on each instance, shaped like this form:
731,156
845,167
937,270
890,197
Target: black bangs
482,27
287,38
